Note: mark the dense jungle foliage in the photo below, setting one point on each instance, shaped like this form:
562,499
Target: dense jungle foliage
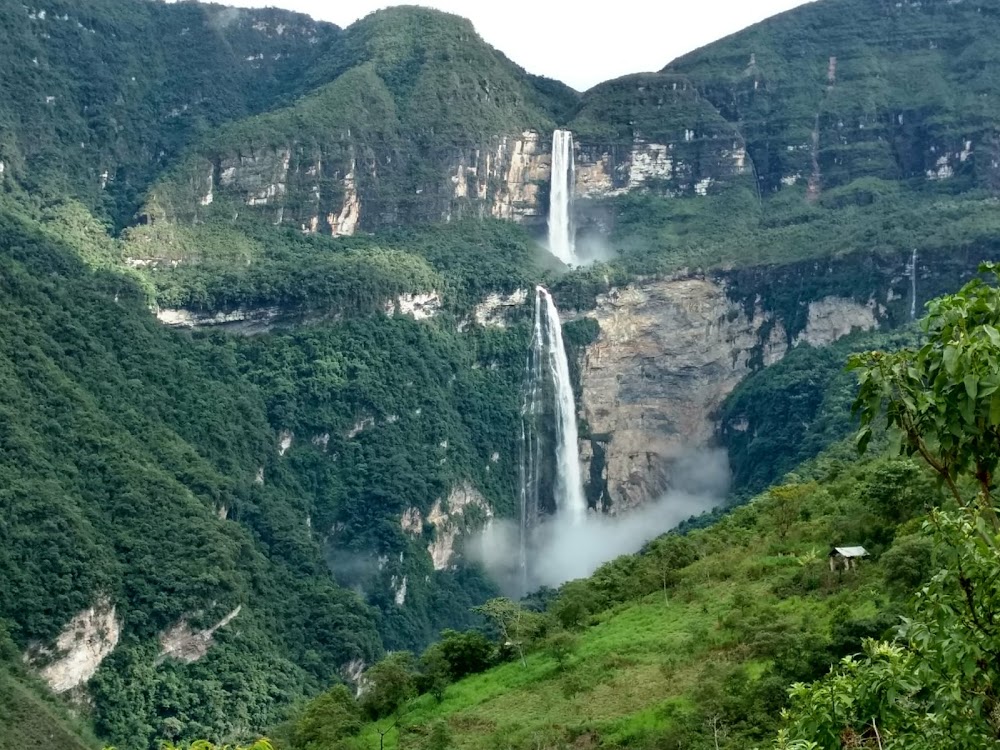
143,466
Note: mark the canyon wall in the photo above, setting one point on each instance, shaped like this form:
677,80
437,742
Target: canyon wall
669,351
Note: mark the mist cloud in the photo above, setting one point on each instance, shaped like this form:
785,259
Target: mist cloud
561,550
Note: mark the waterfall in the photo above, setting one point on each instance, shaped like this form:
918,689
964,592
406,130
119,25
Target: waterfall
548,364
547,390
569,484
531,446
561,239
913,285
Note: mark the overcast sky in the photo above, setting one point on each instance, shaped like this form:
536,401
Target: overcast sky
579,43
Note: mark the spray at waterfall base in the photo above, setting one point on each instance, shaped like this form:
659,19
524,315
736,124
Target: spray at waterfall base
556,537
560,549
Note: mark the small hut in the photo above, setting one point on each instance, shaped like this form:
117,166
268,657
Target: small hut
846,557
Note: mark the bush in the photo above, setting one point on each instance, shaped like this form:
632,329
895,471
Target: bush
908,563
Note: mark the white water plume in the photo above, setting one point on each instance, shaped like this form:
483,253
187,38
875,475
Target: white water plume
561,234
570,501
561,550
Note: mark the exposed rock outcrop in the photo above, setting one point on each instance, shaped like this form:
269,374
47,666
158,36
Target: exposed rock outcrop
412,521
606,171
249,321
354,674
399,590
241,320
833,317
86,641
495,310
668,354
417,306
528,165
449,521
187,645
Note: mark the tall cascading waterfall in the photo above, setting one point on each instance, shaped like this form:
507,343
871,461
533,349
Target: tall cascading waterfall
548,390
913,285
547,384
561,234
570,500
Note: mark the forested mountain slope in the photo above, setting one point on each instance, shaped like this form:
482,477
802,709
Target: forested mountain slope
100,96
844,89
159,485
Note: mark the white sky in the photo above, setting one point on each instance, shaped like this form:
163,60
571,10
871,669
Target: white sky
579,43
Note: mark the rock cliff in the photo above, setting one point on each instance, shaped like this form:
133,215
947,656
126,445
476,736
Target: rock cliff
449,519
670,351
341,187
668,354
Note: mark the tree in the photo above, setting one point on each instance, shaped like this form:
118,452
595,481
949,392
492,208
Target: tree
938,684
467,653
561,645
576,602
435,672
909,561
784,505
507,616
327,720
942,401
897,489
389,685
665,557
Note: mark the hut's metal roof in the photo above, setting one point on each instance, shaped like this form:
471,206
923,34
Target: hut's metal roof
851,551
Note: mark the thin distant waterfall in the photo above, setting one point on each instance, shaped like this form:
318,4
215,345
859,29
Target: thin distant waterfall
531,445
561,233
913,285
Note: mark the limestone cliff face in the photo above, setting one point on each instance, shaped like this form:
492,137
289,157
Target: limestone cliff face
341,188
450,519
249,321
680,168
668,354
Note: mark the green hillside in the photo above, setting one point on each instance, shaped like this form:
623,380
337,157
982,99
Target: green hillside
701,635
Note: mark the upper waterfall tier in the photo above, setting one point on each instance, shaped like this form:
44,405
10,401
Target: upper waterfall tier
561,232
